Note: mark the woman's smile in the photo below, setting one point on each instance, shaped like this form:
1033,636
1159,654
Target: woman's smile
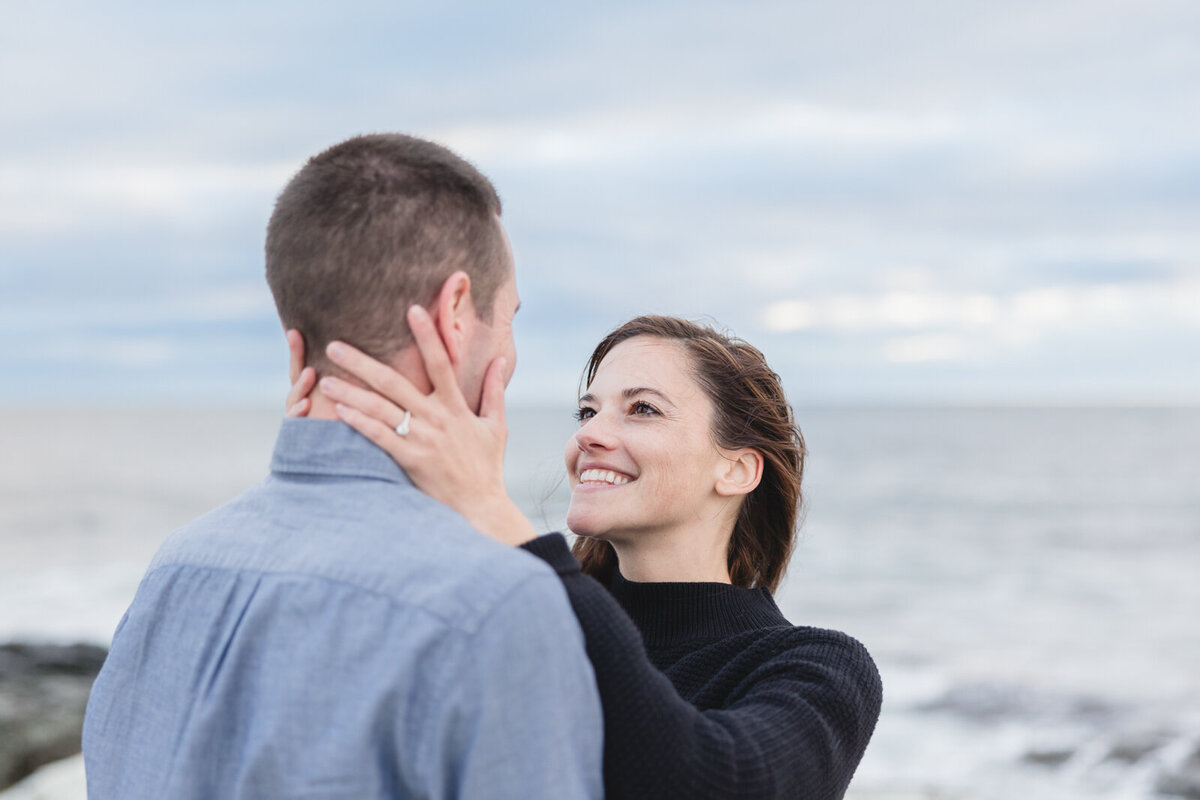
602,477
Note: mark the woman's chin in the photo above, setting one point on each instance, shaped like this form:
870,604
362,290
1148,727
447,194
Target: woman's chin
585,525
580,529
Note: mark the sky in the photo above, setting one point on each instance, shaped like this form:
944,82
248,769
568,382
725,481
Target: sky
923,202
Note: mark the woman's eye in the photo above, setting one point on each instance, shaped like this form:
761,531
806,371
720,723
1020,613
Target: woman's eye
585,413
644,409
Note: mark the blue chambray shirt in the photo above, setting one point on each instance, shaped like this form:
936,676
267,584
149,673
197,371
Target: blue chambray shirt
334,633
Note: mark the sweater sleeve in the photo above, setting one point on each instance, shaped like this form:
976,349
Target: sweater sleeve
796,728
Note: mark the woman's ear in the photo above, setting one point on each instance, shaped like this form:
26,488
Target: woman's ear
740,473
453,312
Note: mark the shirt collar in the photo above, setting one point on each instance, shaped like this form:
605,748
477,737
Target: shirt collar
331,447
669,614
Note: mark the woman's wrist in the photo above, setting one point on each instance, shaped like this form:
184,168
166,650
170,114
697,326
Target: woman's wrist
501,520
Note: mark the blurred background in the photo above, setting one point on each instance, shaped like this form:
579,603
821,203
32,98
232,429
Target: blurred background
965,234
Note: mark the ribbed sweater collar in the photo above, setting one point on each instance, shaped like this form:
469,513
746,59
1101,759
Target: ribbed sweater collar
670,614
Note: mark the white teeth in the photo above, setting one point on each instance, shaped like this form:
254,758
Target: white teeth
602,476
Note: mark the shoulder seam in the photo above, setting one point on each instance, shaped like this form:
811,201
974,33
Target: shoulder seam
478,621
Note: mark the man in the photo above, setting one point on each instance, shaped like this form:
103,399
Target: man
334,633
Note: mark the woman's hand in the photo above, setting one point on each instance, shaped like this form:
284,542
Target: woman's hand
448,451
303,378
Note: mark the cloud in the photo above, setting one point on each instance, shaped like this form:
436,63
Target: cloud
213,305
923,348
888,311
937,187
679,129
137,352
41,200
920,327
1037,307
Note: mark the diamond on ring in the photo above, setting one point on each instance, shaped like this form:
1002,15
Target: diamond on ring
402,428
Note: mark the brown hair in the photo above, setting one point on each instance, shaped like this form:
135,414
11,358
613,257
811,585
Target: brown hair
371,226
749,410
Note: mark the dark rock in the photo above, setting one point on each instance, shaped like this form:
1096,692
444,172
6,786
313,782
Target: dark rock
1090,709
43,694
1049,757
1132,748
983,702
43,659
1183,780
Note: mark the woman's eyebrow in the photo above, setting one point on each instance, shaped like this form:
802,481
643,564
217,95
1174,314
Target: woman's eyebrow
631,393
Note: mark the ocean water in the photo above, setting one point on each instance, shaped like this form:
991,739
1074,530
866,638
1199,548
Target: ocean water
1026,579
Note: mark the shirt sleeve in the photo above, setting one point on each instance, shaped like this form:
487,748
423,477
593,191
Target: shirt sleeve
517,715
797,729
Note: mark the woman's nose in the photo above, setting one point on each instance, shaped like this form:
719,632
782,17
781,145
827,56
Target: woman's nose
595,433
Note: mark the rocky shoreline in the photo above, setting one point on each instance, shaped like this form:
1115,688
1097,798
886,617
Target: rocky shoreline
43,694
1089,738
44,690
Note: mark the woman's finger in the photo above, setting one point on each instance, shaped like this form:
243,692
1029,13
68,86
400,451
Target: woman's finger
362,400
377,432
300,409
379,376
295,343
491,404
433,353
302,387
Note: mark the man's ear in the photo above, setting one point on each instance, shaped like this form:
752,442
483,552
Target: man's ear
453,314
740,473
295,342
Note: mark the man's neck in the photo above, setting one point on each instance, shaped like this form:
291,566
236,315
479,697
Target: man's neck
407,363
322,407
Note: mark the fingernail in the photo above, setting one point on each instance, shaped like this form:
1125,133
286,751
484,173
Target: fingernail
335,350
416,311
327,385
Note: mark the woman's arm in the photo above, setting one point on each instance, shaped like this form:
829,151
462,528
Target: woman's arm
797,728
449,452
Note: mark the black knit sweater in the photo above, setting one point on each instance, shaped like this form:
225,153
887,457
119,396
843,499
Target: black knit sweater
718,696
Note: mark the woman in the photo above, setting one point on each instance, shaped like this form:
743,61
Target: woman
685,475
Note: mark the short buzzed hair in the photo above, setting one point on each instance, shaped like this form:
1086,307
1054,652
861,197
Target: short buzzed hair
372,226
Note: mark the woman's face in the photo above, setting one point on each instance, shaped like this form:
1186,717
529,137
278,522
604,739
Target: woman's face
642,461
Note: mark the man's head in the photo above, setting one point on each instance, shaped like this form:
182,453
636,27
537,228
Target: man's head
378,223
